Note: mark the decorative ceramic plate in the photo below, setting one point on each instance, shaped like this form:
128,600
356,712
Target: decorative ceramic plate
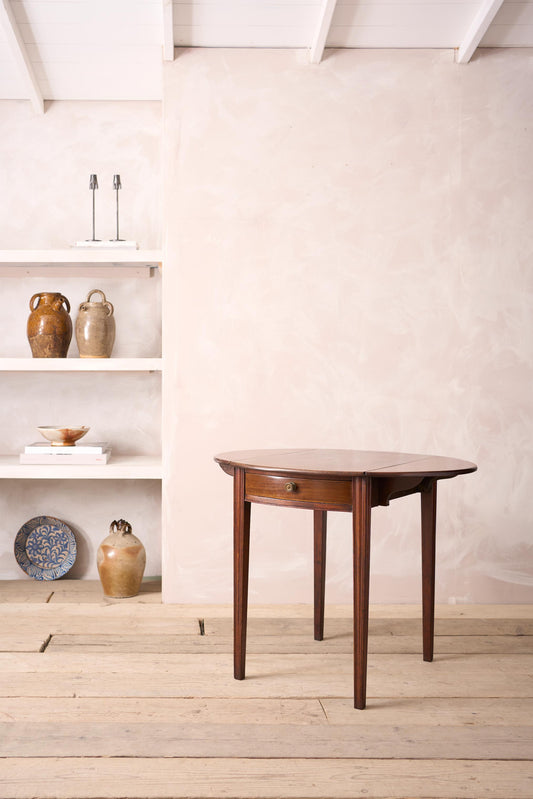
45,548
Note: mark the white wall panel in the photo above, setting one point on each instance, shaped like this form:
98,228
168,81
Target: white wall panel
237,36
515,13
417,25
511,27
226,14
12,85
508,36
85,34
91,49
100,80
114,13
233,24
112,49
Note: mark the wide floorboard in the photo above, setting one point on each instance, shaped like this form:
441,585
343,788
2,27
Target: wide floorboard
135,699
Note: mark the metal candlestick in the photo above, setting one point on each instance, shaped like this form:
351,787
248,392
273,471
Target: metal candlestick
117,185
93,185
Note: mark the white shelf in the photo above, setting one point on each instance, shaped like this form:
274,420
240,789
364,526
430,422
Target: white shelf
97,264
80,364
80,262
119,467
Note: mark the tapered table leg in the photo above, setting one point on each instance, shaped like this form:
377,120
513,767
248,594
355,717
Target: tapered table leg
429,518
361,499
241,558
320,522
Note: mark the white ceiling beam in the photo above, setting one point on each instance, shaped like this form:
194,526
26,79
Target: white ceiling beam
168,30
322,30
486,13
18,48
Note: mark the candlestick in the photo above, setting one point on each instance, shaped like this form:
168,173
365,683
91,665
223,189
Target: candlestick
117,184
93,185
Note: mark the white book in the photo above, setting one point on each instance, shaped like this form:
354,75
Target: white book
43,459
43,447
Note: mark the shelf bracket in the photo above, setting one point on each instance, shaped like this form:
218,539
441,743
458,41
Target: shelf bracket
478,27
321,34
168,30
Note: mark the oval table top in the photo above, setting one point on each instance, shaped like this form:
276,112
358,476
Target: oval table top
343,462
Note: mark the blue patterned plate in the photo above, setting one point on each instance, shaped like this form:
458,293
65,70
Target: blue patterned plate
45,548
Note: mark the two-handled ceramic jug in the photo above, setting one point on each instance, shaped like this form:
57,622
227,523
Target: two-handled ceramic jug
49,325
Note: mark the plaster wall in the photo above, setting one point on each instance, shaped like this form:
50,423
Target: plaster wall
45,163
349,265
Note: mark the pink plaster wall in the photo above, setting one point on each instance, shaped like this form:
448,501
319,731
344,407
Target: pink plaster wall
349,264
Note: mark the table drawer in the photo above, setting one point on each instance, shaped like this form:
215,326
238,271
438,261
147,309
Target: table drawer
298,489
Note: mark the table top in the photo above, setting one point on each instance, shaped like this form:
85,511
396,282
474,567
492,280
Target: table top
344,462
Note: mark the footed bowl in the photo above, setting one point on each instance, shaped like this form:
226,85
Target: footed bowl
63,436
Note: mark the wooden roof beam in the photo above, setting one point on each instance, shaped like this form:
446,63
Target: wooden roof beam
168,30
18,48
478,27
321,34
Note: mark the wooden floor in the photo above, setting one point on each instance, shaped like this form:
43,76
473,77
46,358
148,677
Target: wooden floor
136,699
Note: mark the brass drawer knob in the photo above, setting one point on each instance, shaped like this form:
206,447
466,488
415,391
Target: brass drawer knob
290,486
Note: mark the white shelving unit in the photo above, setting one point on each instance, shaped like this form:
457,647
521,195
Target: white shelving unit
81,364
94,262
80,262
120,467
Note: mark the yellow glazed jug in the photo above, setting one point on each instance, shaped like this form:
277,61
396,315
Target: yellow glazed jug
121,559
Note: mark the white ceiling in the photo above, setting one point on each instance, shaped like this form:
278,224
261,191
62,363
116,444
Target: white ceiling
114,49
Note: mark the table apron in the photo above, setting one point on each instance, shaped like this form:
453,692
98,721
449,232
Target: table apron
298,492
384,489
326,494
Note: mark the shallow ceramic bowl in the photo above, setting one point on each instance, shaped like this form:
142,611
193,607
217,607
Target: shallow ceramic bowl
63,436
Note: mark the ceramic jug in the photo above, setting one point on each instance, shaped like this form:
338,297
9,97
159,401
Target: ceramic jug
121,559
95,327
49,325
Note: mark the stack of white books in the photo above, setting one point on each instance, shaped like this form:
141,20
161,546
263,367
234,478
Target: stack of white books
79,454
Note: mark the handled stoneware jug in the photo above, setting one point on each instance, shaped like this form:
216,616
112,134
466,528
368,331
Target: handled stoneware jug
49,325
95,327
121,559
